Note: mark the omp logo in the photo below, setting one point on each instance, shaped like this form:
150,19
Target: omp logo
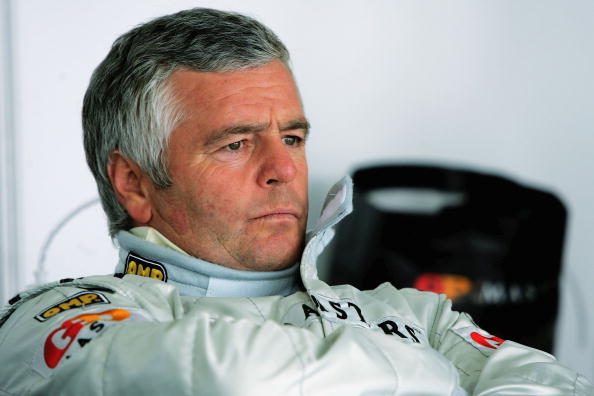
79,300
137,265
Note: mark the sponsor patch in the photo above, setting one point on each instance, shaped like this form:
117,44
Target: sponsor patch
300,315
346,312
78,300
480,339
491,342
401,328
140,266
342,311
75,334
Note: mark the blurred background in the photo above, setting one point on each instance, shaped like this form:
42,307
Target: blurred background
504,87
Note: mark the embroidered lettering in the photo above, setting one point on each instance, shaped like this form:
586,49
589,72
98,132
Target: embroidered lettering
82,299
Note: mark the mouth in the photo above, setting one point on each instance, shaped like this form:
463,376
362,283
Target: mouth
278,214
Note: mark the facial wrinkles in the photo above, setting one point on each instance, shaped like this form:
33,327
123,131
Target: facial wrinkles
220,95
243,219
274,198
244,226
266,95
212,203
169,214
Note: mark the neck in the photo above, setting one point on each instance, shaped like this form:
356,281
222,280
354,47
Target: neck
192,276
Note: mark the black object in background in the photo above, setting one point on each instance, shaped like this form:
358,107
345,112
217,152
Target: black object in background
492,245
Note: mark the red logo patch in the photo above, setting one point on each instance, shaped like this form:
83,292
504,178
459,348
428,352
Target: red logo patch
489,342
60,340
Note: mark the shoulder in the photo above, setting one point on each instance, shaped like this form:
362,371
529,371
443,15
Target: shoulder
47,325
51,301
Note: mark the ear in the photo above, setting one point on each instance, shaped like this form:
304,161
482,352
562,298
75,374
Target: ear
131,186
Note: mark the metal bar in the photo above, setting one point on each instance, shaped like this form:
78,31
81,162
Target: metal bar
10,277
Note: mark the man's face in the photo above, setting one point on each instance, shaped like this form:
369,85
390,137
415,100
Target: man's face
237,160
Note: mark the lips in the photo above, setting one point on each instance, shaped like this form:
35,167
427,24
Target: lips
277,214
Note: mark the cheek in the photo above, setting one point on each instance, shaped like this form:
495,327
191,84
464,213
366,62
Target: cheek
178,216
303,179
216,210
206,196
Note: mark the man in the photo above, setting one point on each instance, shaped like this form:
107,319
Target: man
195,133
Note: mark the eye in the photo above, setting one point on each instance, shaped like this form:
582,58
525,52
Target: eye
291,140
235,146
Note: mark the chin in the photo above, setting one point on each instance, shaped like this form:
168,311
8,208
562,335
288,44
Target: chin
272,251
277,259
277,262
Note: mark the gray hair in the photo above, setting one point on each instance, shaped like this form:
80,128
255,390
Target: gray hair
129,105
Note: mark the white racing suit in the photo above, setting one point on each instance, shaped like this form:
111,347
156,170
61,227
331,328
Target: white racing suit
169,331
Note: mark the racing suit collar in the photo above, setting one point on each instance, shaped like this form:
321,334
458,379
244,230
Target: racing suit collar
196,277
338,205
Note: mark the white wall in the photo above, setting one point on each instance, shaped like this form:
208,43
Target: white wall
497,85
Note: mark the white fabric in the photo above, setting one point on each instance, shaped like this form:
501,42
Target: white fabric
149,234
331,340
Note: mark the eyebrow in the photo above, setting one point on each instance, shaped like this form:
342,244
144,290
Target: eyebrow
242,129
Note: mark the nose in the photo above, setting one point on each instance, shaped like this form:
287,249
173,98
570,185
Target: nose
277,166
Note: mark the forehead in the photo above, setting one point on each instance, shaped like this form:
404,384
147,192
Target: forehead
237,96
